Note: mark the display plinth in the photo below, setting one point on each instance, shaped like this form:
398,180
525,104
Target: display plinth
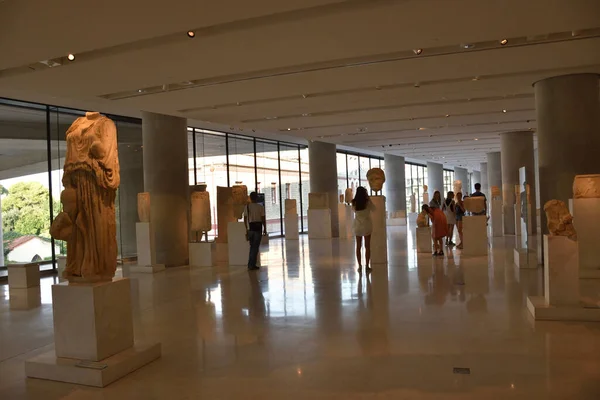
412,218
475,236
525,259
93,327
344,221
23,276
517,218
146,252
237,245
61,266
201,254
379,253
423,239
221,253
319,224
291,227
397,218
586,218
349,221
25,299
542,311
496,217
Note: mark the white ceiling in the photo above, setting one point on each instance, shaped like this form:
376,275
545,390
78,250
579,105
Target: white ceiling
339,71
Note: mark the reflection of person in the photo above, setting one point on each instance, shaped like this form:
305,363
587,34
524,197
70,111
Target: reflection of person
460,213
91,178
448,207
362,225
477,193
439,228
254,219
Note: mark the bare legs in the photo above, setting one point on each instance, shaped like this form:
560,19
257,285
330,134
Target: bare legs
438,246
459,228
450,233
367,252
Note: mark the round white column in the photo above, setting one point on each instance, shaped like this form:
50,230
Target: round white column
322,159
395,183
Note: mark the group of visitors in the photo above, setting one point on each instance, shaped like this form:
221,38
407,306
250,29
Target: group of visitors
445,214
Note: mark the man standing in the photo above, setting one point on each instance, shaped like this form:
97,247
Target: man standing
256,225
478,193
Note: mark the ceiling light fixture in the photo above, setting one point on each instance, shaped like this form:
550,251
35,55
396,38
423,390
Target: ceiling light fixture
191,34
71,57
476,78
289,129
503,42
476,139
504,110
418,51
447,115
140,90
467,45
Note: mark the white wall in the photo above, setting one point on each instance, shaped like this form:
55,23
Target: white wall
28,250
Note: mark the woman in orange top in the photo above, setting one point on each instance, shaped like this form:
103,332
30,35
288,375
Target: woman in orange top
439,228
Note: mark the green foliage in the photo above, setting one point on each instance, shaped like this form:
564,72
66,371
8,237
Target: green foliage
25,210
3,190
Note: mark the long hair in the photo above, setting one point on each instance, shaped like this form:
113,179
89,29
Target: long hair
360,199
437,195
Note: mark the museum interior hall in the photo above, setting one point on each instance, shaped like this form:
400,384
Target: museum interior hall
299,199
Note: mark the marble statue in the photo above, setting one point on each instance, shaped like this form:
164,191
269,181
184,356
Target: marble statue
423,220
586,186
475,204
560,221
413,203
425,195
457,186
496,192
318,201
143,206
376,178
240,199
224,212
91,178
290,206
201,220
348,195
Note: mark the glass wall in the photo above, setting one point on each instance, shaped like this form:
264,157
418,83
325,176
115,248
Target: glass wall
416,177
352,170
448,181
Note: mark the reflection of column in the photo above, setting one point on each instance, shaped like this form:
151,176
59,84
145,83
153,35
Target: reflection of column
435,178
395,183
322,160
483,179
517,152
132,183
462,175
494,170
476,178
568,117
166,178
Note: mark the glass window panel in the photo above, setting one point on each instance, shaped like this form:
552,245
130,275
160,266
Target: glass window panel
241,162
290,177
268,183
364,168
353,172
341,172
305,171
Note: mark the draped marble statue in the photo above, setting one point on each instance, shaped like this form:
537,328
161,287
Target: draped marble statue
91,178
143,206
201,221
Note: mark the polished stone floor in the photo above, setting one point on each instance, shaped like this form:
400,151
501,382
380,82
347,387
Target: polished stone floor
308,326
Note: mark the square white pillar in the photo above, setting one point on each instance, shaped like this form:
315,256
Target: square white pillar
291,228
349,221
319,224
586,218
379,252
146,252
525,258
343,220
238,248
22,276
496,217
475,236
561,300
423,239
201,254
93,335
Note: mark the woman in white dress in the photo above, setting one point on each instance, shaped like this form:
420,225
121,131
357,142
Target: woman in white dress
362,225
449,209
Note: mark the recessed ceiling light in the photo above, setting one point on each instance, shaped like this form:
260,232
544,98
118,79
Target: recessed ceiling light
422,129
71,57
418,51
503,42
467,45
306,115
504,110
447,115
140,90
191,34
476,139
417,84
289,129
476,78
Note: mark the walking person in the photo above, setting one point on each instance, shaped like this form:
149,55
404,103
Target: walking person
439,228
362,225
436,202
256,226
450,212
460,213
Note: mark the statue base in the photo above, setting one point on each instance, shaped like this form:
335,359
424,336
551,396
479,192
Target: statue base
23,276
319,223
290,224
201,254
475,236
93,336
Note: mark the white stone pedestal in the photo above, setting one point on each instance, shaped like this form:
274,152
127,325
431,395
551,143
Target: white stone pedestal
475,236
201,254
25,299
146,253
586,218
93,336
379,253
61,262
221,254
496,217
290,223
319,224
397,218
342,220
423,239
517,214
237,245
412,219
561,300
22,276
349,221
526,258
